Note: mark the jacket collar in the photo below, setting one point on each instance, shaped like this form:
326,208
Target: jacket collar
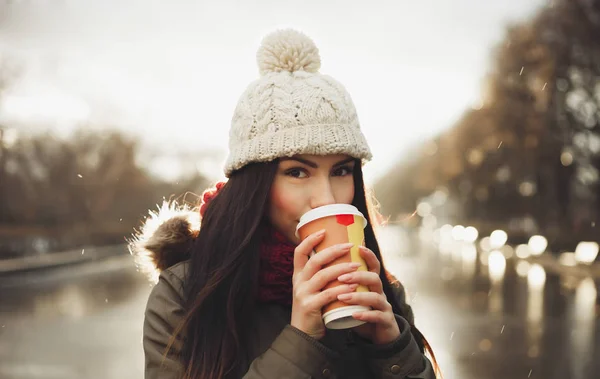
164,238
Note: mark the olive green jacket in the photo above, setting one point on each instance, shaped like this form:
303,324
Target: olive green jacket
279,351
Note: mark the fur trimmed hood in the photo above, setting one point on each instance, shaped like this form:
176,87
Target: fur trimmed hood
164,238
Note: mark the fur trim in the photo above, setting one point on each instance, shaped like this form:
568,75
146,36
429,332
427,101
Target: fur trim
164,239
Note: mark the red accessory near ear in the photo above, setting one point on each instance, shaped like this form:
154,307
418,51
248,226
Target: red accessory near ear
208,195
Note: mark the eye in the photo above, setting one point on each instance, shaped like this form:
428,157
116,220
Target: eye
296,173
343,171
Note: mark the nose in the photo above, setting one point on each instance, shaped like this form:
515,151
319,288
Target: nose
322,194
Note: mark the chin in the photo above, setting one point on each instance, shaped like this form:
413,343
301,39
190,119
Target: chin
292,235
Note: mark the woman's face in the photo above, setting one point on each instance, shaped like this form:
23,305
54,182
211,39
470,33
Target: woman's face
304,182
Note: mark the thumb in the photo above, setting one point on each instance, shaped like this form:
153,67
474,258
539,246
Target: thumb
305,248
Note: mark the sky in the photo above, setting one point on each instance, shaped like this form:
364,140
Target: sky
171,72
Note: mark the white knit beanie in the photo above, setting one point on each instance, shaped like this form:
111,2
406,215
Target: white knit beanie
292,108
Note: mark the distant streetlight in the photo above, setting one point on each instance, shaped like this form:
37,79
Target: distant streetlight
537,245
566,158
503,174
586,252
527,188
523,251
498,238
446,231
439,197
471,234
458,232
424,209
475,156
497,265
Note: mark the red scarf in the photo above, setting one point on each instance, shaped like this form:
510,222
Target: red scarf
276,261
276,269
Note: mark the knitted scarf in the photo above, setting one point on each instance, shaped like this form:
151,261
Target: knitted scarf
276,269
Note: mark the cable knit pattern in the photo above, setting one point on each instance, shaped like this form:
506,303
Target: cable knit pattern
292,108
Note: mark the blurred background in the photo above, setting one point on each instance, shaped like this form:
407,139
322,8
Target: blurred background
484,118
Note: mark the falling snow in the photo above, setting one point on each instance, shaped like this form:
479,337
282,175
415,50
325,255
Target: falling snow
81,176
502,331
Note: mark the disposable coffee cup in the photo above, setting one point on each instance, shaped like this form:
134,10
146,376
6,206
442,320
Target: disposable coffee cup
343,224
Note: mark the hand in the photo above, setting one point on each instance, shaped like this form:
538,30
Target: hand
309,279
381,327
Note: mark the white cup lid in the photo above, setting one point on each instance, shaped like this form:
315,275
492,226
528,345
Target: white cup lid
329,210
341,318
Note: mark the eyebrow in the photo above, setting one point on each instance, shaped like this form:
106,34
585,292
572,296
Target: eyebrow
313,164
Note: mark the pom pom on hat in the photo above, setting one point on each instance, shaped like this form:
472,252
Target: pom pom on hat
288,50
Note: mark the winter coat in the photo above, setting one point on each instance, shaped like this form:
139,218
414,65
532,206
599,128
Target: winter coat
280,350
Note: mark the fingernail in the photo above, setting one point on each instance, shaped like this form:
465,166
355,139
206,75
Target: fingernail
343,278
320,233
353,286
346,246
345,296
354,265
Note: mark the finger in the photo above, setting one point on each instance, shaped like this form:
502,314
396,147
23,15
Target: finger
366,278
368,299
330,295
329,274
370,258
305,248
324,257
385,319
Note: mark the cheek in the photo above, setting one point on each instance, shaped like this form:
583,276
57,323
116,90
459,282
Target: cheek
285,205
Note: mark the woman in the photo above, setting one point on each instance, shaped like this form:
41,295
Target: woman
240,298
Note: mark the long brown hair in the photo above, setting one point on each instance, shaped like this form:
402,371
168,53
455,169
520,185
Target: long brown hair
223,275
